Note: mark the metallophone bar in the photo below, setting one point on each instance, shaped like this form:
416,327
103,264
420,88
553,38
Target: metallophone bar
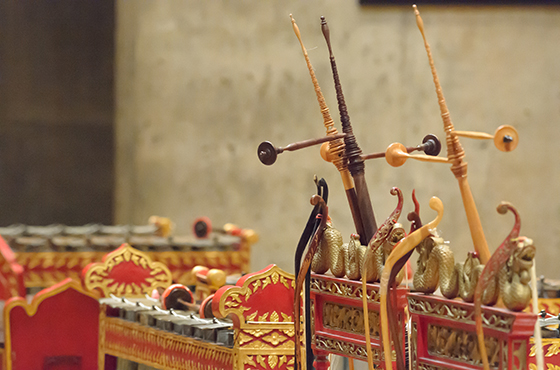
254,329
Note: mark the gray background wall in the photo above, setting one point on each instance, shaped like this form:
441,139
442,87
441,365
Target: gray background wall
200,84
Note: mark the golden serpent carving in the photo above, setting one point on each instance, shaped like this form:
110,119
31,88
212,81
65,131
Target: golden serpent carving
436,266
350,259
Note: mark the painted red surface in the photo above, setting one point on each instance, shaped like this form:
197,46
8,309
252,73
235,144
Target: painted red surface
66,324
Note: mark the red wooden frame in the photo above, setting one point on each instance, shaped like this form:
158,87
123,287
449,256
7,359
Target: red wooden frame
60,327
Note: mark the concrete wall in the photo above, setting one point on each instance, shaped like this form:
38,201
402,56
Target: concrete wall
200,84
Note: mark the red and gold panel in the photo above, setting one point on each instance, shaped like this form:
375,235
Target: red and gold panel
444,335
126,272
42,269
338,318
160,349
59,326
261,307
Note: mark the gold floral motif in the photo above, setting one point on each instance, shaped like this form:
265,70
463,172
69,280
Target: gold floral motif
249,361
289,332
275,277
274,317
275,338
244,338
266,281
286,318
548,367
257,333
260,360
552,350
252,316
272,361
285,283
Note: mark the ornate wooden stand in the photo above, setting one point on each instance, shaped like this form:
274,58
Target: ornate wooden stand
337,319
443,335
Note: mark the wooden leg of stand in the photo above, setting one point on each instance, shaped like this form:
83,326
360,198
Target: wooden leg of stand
321,361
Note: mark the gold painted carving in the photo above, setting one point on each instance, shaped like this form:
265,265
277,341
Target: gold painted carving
345,348
233,300
452,311
552,350
98,275
157,348
349,319
460,345
548,367
341,289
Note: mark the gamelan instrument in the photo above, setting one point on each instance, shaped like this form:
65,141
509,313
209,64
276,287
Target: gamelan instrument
49,254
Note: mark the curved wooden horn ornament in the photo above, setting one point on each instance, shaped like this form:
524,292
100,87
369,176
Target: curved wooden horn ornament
490,271
333,151
306,263
455,156
406,245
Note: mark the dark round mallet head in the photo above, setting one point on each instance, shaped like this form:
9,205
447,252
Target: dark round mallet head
173,296
431,145
267,153
202,227
206,308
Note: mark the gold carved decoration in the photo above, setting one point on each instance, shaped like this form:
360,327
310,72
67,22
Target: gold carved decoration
458,312
161,349
460,345
349,319
98,275
345,348
270,361
519,353
552,350
342,289
548,367
234,299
